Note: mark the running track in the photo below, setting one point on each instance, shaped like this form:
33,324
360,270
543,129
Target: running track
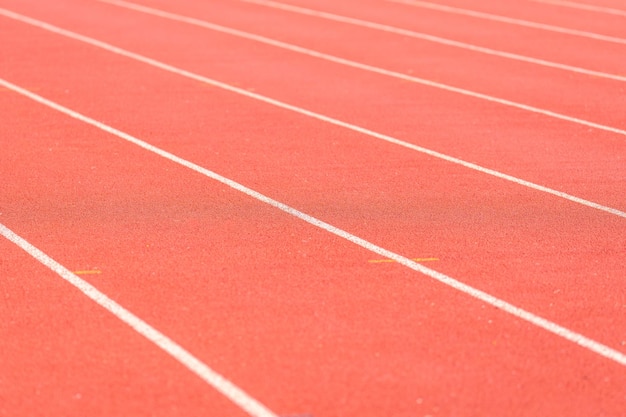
516,190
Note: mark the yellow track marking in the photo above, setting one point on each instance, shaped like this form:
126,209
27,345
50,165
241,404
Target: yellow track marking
380,261
88,272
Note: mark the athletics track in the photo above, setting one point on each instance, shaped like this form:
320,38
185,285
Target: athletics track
316,208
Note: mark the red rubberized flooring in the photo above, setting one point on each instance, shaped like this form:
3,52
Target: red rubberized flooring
305,322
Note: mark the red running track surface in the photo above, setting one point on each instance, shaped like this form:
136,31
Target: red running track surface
298,318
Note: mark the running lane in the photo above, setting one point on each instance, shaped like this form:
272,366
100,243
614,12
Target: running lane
64,355
318,322
518,11
581,95
560,154
549,45
615,4
298,318
532,11
451,210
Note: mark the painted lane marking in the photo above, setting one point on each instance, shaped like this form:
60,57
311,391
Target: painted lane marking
380,261
371,25
188,74
87,272
509,20
217,381
6,90
483,296
584,6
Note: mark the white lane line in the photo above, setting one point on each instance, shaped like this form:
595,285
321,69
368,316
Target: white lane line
584,6
370,25
321,117
327,57
217,381
510,20
538,321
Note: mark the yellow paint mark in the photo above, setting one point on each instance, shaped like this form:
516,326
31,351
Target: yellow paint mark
380,261
88,272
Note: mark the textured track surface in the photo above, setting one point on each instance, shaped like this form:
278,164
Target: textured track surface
301,320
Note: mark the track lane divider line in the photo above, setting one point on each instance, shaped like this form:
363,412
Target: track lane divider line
509,20
208,375
312,53
583,6
357,22
551,327
314,115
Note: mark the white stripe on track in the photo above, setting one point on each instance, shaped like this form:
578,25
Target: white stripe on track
584,6
520,313
327,119
510,20
318,116
357,22
312,53
217,381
